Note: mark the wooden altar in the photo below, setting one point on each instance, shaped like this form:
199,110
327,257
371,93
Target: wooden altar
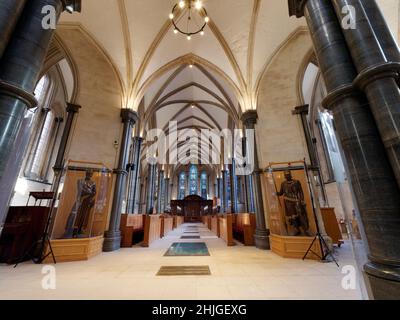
192,208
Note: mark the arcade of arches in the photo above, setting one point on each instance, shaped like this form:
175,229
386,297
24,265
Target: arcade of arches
134,148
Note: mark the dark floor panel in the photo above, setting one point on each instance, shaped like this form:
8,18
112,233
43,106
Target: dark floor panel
184,271
190,237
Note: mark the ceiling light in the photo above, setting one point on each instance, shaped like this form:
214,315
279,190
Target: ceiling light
198,5
190,66
192,106
175,31
185,16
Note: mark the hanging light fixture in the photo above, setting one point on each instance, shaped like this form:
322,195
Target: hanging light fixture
189,18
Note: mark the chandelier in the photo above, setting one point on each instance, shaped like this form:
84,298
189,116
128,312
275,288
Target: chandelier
189,18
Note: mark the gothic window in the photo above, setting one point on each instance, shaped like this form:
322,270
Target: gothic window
182,185
204,180
45,133
193,176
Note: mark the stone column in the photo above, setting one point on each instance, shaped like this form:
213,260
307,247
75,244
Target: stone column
20,66
218,192
382,31
375,189
160,190
224,190
10,11
261,236
112,237
248,183
234,195
19,71
150,188
377,78
166,193
135,177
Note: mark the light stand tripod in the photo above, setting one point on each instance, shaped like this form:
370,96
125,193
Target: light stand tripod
325,250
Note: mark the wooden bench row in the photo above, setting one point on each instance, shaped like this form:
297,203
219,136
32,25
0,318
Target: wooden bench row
228,227
144,229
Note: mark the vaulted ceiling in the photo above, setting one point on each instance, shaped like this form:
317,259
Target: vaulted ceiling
205,82
138,37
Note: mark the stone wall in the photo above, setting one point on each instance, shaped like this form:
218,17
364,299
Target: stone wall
98,124
280,136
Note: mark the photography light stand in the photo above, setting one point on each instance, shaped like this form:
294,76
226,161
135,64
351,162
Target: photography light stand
325,250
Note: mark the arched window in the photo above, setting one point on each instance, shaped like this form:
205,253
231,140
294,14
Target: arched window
193,183
45,133
182,185
204,184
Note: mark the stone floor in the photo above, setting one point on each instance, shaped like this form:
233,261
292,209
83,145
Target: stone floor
237,273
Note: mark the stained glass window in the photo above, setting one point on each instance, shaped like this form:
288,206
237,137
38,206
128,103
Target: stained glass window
193,183
203,181
182,185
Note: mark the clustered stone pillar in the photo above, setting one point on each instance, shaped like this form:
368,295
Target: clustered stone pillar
373,181
151,173
381,30
160,191
166,192
261,236
218,191
233,180
377,76
247,183
10,11
134,183
224,190
112,237
22,50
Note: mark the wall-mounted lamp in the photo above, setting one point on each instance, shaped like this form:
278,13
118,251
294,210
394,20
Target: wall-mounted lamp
72,5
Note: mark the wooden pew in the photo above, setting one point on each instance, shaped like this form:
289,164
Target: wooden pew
179,220
244,227
152,229
215,225
226,229
132,229
167,224
207,221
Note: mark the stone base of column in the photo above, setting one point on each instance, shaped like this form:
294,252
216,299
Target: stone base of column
261,239
384,281
112,241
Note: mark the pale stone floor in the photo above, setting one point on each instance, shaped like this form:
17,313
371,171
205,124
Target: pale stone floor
238,272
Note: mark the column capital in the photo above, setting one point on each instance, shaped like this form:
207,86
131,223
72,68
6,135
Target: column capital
296,8
129,115
249,118
73,108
